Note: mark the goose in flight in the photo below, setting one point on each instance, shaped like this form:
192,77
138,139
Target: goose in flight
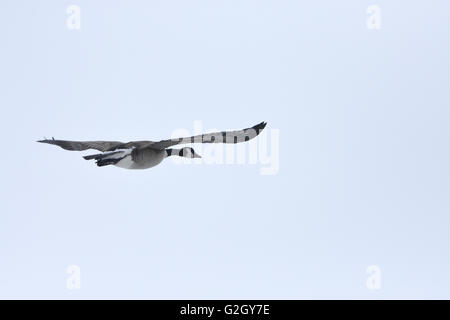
147,154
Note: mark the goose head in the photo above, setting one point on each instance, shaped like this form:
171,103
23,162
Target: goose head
188,153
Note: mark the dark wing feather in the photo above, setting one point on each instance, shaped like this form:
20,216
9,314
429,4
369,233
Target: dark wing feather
215,137
97,145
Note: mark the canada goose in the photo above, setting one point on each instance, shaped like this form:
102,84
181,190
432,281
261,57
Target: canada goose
147,154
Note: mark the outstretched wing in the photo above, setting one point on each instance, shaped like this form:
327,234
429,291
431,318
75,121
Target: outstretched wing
97,145
215,137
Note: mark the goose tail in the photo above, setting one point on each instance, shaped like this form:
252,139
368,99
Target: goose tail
105,159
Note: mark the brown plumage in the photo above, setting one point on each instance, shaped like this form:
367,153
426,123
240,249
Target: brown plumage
144,154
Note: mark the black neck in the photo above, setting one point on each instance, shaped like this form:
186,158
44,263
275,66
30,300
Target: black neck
169,152
184,152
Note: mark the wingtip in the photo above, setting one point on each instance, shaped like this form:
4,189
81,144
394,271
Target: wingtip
260,126
46,141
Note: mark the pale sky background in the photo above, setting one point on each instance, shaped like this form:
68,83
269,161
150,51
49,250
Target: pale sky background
364,167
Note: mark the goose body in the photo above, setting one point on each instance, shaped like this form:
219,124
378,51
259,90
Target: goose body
147,154
141,159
